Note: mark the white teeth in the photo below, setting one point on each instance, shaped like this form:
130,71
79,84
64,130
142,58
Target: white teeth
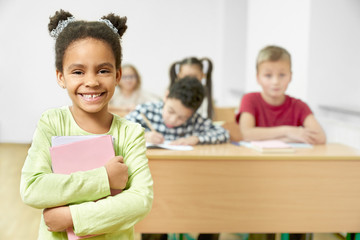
88,96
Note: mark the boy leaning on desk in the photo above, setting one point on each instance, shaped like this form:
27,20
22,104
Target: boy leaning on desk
175,119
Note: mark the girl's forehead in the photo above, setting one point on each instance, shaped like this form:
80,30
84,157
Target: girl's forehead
89,49
87,40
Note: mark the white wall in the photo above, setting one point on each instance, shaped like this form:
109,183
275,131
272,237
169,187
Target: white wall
234,45
334,60
334,63
159,33
284,23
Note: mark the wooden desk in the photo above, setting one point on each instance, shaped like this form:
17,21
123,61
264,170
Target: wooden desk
226,188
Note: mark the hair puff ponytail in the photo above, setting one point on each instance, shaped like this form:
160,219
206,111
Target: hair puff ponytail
118,22
58,16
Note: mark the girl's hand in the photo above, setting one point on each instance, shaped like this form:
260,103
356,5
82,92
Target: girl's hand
193,140
58,219
117,172
154,137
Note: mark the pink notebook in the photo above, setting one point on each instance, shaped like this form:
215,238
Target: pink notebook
272,146
82,155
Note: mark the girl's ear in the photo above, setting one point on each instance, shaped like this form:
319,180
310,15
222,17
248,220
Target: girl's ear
60,79
118,76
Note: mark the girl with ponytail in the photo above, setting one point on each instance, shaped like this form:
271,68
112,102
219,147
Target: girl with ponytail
200,69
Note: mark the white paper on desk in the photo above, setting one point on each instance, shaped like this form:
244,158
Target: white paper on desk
167,145
300,145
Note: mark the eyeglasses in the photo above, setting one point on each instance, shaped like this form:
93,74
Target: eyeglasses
129,77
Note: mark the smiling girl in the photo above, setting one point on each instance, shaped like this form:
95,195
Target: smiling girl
88,60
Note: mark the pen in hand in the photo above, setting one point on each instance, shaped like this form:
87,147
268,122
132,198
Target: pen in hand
153,136
148,123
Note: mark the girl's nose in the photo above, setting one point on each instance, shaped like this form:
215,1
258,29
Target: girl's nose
91,81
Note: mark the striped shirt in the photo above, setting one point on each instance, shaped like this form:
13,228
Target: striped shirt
196,125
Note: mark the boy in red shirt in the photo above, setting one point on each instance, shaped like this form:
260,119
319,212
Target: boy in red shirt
271,114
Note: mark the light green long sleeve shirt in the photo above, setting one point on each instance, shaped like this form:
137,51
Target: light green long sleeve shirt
114,216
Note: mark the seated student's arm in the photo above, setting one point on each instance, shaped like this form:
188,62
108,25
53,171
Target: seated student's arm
204,132
154,137
252,133
314,133
150,136
311,132
193,140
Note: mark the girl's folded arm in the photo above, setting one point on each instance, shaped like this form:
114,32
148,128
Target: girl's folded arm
41,188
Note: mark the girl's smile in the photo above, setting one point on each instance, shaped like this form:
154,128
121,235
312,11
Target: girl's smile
91,97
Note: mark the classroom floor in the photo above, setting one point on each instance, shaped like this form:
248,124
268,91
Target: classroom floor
19,221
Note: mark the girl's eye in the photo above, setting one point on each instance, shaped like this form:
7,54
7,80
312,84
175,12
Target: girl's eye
77,72
268,75
103,71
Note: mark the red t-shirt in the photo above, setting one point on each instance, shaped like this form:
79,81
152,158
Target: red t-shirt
291,113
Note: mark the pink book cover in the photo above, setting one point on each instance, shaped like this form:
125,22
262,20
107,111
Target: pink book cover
82,156
272,146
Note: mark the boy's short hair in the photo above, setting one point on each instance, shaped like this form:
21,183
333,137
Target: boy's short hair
189,91
272,53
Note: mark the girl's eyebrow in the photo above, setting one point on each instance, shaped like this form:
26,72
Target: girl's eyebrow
78,65
106,64
75,65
